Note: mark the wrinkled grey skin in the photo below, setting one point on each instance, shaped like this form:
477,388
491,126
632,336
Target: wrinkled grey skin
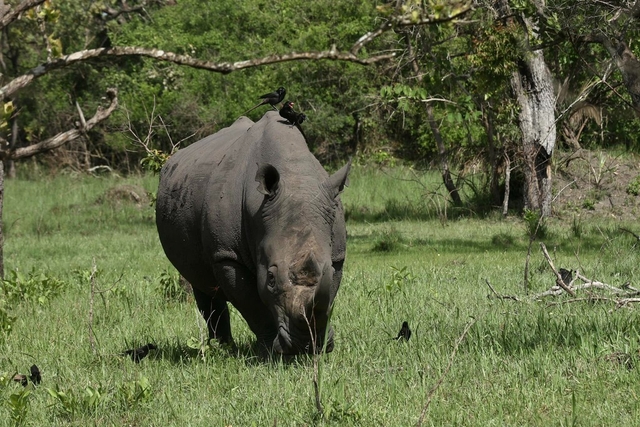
249,216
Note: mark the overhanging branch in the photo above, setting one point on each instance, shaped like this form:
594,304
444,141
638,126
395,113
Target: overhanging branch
13,14
218,67
63,137
404,21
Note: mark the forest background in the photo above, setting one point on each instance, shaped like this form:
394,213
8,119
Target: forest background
459,86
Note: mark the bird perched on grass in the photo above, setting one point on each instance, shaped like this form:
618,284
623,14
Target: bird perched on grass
272,98
35,377
567,275
405,332
287,112
137,354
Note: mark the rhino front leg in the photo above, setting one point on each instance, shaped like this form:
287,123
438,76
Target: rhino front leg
216,314
242,292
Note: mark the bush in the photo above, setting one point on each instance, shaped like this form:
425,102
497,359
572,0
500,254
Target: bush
34,287
634,186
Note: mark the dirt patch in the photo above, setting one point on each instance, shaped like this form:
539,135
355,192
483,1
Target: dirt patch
125,194
595,183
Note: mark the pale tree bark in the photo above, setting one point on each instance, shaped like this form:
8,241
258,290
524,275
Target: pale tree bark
532,86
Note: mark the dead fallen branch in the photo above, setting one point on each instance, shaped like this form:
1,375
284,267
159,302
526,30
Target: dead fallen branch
499,296
626,230
565,283
559,279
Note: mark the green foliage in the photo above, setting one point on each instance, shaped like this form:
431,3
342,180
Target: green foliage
154,160
535,224
135,393
36,287
390,240
401,278
18,405
170,286
6,319
633,188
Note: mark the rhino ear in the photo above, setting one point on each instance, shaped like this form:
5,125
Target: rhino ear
268,178
339,180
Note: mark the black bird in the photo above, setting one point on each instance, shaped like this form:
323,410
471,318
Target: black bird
272,99
22,379
137,354
567,275
35,376
405,332
287,112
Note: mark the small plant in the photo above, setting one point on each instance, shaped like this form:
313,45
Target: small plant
134,393
171,288
71,404
154,160
399,277
589,204
576,227
34,287
633,188
535,224
390,240
6,320
18,404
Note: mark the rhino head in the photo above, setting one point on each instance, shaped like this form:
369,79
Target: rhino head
297,257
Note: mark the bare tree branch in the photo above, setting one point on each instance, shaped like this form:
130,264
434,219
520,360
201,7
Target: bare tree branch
13,14
559,280
63,137
404,20
218,67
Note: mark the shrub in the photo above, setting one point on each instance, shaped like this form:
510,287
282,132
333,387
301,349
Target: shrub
35,287
633,188
388,241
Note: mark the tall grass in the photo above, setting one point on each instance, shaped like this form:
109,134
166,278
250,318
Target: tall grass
521,363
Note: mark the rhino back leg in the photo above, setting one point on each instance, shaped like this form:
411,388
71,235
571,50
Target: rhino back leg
216,314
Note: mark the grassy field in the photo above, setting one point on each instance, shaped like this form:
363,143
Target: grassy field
521,363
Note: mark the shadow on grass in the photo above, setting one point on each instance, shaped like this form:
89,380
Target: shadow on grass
389,240
249,352
398,210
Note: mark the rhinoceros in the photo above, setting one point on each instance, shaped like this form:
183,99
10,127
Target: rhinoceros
250,217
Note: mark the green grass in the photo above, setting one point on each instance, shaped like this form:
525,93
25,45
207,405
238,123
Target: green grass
522,363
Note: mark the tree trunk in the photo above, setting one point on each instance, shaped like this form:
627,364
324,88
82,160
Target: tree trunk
532,85
442,154
507,185
494,176
1,226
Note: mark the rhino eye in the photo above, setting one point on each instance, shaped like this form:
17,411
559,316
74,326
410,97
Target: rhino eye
271,278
